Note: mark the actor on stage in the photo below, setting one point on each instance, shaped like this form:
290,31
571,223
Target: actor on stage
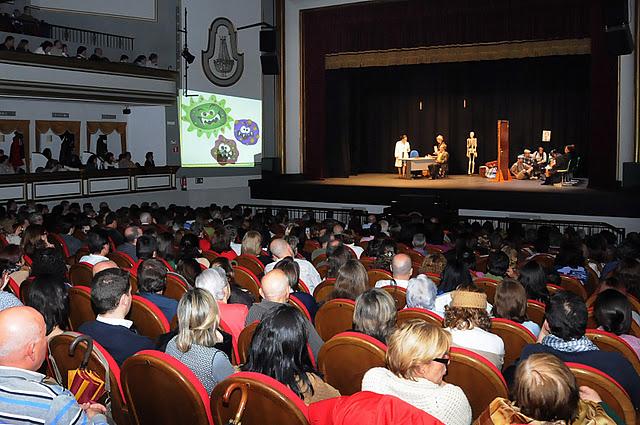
528,158
539,161
472,152
441,164
521,170
558,162
439,141
402,151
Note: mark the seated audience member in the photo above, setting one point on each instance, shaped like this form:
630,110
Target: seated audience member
545,391
215,281
352,280
57,49
190,269
384,253
275,291
612,310
419,243
152,281
124,59
98,243
252,245
44,48
49,295
221,243
455,276
125,161
12,260
324,240
348,238
8,44
7,299
563,335
570,261
110,225
148,158
467,320
67,229
166,250
111,300
292,270
511,303
375,314
497,266
109,161
146,247
97,55
433,263
279,350
534,280
81,53
238,294
27,396
23,46
417,358
5,165
190,248
131,235
103,265
337,255
421,293
48,262
401,268
194,346
280,249
521,170
33,238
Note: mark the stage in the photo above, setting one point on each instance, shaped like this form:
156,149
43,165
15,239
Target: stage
454,192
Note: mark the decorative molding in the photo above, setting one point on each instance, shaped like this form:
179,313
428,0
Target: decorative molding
458,53
228,63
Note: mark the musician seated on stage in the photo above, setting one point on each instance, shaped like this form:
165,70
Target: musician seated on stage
558,162
520,170
441,166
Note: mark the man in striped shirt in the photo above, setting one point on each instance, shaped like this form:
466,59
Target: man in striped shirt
24,396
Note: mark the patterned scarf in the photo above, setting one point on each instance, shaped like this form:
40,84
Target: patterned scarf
573,346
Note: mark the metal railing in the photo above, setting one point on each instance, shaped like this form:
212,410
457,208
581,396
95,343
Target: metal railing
588,227
319,214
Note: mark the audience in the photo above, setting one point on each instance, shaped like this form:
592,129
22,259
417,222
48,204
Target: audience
417,359
612,311
545,391
27,396
351,281
375,314
131,235
292,270
198,322
7,299
308,274
563,335
497,266
534,280
279,350
111,300
421,293
49,295
98,244
152,281
401,268
468,321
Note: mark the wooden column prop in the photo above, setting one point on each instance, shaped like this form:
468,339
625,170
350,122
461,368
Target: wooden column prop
503,174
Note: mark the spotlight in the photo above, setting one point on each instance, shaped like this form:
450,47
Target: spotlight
186,54
126,110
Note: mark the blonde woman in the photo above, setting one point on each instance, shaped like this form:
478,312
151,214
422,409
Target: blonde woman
198,321
252,245
417,359
375,314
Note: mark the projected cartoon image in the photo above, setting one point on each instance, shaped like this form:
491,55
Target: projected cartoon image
246,132
219,131
225,151
207,116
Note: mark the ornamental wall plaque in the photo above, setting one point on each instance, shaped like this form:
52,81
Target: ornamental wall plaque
221,62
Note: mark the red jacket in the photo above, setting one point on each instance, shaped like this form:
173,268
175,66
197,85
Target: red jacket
367,408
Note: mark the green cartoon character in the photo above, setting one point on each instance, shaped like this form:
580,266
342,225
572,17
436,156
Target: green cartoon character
207,116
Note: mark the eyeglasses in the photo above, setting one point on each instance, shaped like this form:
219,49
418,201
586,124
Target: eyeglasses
443,360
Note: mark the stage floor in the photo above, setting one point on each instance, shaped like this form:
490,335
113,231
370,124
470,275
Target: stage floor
474,182
453,193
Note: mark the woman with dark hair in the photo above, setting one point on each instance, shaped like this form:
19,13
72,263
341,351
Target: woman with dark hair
351,281
596,250
221,243
152,281
48,262
292,270
534,280
337,256
190,248
279,350
16,266
612,310
34,237
455,274
166,248
511,303
497,266
50,296
570,261
92,163
189,268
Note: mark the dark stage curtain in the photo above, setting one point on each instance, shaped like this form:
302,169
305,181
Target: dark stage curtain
368,109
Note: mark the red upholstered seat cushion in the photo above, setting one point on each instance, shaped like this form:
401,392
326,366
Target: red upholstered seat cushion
368,408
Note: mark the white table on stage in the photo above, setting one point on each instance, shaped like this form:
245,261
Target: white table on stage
420,163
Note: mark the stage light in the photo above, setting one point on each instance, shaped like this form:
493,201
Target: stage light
186,54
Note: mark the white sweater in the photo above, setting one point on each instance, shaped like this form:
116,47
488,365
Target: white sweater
446,402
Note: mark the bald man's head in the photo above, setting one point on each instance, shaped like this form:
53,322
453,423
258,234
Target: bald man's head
132,233
280,249
401,266
104,265
23,342
275,286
